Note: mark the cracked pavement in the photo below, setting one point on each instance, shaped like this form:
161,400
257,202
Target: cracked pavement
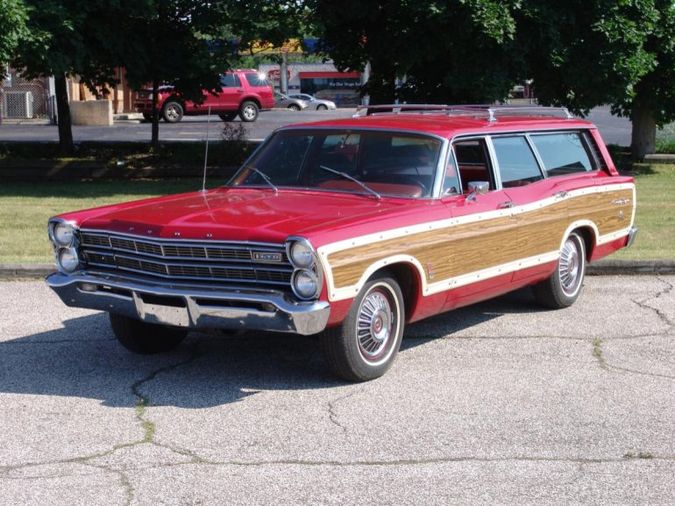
499,402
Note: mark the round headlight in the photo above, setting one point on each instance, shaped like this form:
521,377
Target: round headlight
67,259
305,284
63,234
301,254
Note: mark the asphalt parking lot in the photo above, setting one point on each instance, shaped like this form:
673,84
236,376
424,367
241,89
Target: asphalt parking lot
194,128
497,403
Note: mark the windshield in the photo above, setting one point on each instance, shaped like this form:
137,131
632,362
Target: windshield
381,163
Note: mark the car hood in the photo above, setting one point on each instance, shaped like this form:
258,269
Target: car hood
236,214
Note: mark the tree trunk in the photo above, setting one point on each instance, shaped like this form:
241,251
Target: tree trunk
643,136
65,128
155,116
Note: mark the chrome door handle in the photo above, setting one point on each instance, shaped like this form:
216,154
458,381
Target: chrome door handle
505,205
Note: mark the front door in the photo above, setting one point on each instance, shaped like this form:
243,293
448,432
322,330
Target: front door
482,242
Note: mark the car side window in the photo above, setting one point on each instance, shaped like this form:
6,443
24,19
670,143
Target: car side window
562,153
230,81
257,80
473,162
451,184
517,164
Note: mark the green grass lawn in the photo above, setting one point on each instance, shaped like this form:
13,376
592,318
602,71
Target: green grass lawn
25,208
655,215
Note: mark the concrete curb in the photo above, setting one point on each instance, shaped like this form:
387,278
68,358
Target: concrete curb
660,158
10,272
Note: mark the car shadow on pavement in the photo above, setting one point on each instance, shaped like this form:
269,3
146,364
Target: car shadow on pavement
84,360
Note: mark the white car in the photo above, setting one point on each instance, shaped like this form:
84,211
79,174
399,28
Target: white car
314,103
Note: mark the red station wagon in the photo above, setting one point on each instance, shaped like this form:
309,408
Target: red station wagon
353,228
243,92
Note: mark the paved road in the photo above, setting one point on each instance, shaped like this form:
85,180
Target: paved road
497,403
190,129
614,130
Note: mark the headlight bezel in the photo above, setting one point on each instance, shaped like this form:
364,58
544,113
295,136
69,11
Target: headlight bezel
314,279
60,262
312,267
57,223
62,247
305,249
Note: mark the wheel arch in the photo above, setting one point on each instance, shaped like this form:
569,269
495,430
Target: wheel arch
173,98
589,234
253,99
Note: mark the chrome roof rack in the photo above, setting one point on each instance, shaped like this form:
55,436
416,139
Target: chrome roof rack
474,110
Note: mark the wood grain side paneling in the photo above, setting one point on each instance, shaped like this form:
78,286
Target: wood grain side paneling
461,249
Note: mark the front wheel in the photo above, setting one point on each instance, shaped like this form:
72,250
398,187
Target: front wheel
172,112
365,345
321,107
564,285
248,111
145,338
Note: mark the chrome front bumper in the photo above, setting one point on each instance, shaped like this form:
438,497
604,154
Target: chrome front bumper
190,306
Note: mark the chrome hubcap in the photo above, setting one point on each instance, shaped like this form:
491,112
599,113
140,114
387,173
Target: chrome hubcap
249,112
375,325
570,266
172,112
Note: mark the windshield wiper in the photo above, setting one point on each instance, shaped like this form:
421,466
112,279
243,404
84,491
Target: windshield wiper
347,176
265,177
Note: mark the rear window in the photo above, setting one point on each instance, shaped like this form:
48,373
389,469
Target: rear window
257,80
562,153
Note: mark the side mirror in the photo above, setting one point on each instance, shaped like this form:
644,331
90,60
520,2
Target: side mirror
477,188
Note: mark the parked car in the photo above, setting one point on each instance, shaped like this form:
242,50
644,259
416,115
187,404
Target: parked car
286,102
353,228
243,93
313,102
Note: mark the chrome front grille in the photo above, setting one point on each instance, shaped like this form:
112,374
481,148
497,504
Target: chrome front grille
216,262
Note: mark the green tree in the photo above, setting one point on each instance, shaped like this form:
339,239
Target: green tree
65,38
13,18
584,53
446,51
188,43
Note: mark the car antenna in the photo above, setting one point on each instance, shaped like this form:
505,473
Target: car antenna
206,149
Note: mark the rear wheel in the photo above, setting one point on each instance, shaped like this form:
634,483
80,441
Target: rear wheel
145,338
172,112
294,107
365,345
564,285
248,111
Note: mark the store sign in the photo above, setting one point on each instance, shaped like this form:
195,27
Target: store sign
275,74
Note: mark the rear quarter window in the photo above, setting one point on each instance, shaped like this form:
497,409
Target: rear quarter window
256,80
562,153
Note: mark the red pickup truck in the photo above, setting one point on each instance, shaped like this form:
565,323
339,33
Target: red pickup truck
242,92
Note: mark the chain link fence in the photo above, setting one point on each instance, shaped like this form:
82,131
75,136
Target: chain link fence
24,99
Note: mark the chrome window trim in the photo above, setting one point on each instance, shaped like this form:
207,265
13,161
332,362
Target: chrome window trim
529,144
496,170
433,194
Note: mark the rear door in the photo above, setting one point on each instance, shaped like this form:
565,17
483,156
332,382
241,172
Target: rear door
231,92
537,203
